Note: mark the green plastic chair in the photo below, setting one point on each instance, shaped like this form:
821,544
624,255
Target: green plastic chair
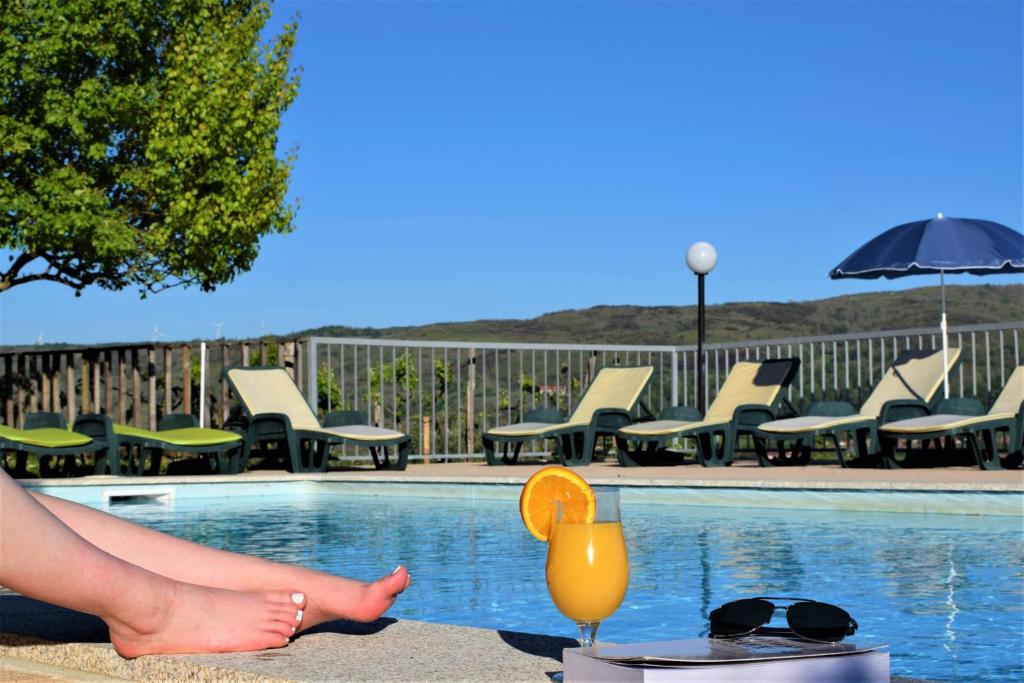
611,401
276,412
905,391
953,419
751,394
218,449
46,436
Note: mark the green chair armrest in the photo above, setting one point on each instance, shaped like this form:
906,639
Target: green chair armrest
750,415
610,419
902,409
44,419
269,426
177,421
546,415
342,418
96,426
959,406
831,409
681,413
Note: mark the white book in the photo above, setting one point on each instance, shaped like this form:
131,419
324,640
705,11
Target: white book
754,658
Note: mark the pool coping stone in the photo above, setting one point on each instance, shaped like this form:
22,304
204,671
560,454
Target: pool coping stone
60,644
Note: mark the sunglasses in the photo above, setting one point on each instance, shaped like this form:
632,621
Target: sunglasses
807,619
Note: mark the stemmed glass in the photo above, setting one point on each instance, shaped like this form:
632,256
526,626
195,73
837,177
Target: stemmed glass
587,568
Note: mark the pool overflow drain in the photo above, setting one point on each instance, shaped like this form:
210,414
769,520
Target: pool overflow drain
145,495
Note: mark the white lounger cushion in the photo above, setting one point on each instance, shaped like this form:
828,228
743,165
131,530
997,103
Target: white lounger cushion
933,423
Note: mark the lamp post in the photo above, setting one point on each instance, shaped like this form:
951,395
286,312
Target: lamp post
701,257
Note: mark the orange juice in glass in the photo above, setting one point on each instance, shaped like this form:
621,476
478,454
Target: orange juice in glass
587,568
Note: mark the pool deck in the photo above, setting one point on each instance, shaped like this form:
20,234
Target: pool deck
40,642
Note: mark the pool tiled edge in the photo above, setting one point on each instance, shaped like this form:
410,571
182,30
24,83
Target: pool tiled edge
1003,496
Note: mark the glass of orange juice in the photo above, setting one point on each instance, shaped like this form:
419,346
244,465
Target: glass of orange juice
587,568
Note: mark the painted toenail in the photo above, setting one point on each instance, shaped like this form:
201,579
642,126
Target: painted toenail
293,630
298,616
396,570
297,598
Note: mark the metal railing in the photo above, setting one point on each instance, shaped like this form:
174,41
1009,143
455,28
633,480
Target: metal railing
446,394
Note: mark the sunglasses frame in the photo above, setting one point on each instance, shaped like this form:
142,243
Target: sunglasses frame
851,627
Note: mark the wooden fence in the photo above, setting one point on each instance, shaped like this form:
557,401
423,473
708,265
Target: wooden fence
132,383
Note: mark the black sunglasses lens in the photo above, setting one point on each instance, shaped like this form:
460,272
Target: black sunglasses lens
740,616
818,621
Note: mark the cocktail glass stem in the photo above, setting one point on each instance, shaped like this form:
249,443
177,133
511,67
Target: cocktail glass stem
588,632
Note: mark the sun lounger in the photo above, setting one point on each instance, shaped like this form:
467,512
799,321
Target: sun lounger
1006,414
751,394
904,391
276,411
609,403
46,436
177,433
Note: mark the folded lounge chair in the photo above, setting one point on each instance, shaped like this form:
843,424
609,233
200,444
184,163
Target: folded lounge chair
1006,414
46,436
176,433
609,403
751,394
905,391
276,411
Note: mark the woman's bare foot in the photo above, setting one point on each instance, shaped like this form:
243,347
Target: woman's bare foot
199,619
335,597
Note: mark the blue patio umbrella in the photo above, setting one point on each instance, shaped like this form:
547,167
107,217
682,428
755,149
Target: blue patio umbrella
937,245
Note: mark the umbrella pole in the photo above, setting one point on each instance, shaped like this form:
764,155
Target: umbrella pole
945,338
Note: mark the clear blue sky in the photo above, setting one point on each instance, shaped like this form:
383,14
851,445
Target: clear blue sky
463,160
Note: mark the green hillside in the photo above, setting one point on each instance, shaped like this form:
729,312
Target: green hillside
725,322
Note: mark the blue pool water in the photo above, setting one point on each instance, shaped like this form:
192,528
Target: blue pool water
946,591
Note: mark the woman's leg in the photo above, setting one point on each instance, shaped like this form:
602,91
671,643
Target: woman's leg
147,613
328,597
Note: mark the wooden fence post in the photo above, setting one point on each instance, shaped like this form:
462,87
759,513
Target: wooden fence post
136,389
44,381
122,386
9,390
151,382
186,379
86,378
168,382
52,379
70,359
426,432
108,396
223,385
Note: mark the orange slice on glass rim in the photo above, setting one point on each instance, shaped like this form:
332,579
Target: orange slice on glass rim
555,485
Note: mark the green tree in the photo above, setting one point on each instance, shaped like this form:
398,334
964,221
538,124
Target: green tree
328,391
138,140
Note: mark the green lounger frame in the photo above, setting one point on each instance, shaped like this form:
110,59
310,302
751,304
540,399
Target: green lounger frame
46,436
752,393
144,449
611,401
274,412
977,428
905,391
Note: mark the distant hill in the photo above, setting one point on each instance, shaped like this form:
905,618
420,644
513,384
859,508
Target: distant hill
910,308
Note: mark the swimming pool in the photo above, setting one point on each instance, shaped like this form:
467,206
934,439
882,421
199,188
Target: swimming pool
946,591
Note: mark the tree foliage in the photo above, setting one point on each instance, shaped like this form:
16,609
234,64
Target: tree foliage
138,140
